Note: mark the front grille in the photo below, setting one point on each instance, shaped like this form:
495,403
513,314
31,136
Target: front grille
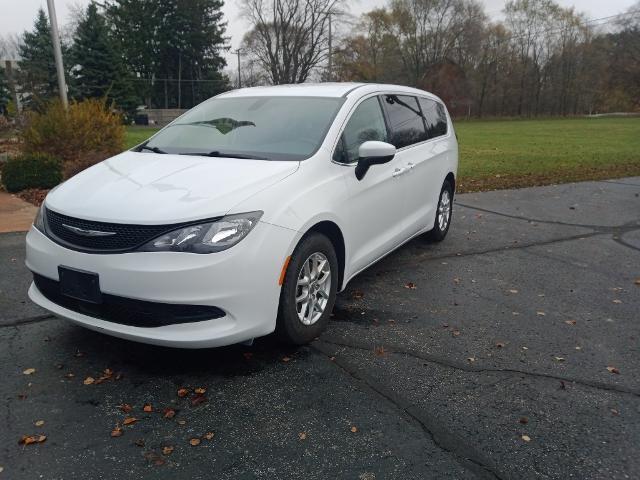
127,311
126,236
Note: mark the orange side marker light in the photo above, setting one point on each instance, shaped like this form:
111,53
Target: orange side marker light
284,270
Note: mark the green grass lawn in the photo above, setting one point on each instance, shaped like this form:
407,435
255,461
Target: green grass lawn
498,154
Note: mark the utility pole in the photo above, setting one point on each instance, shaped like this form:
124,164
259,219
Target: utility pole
237,52
57,53
330,50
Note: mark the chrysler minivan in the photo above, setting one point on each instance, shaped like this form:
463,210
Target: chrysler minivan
246,215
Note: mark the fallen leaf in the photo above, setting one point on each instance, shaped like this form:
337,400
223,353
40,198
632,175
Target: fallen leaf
200,390
471,359
456,280
391,320
637,281
116,432
89,380
354,429
69,375
182,422
455,332
332,358
129,420
78,354
29,371
613,370
526,438
29,439
570,322
410,286
357,294
379,351
559,359
194,442
286,359
513,290
615,412
169,413
499,344
540,314
209,435
183,392
167,450
197,400
126,408
617,301
139,442
302,435
147,408
524,420
39,423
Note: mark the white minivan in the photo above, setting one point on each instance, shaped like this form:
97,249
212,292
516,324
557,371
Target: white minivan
246,215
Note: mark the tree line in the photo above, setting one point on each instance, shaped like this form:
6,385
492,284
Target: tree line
541,59
131,52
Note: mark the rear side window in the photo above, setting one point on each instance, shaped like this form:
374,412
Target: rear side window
405,120
434,116
366,123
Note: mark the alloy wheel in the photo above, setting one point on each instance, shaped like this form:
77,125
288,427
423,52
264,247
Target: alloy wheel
313,288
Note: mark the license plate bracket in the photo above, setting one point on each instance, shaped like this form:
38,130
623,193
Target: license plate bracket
80,284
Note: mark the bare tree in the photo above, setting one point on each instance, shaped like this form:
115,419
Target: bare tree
289,38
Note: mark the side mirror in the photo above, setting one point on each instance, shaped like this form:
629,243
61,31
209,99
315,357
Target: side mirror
373,153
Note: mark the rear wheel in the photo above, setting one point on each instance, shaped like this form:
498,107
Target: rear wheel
308,291
443,213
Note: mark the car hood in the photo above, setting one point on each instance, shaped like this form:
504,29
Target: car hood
150,188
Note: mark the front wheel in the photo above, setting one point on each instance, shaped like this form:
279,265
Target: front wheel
308,291
443,213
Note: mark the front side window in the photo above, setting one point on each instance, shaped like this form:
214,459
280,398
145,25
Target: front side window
269,128
434,116
405,120
366,123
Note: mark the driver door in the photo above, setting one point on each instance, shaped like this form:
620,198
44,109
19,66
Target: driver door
376,206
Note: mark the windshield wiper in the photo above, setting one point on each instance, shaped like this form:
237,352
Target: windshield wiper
217,153
144,146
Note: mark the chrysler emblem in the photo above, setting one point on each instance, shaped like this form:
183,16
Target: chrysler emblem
88,233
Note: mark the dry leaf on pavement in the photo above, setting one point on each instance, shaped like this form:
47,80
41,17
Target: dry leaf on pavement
354,429
169,413
39,423
526,438
116,432
209,435
126,408
89,380
147,408
29,439
183,392
168,450
302,435
570,322
410,286
197,400
200,390
129,420
194,442
29,371
613,370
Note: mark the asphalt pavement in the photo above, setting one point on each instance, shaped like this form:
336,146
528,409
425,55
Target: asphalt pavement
509,351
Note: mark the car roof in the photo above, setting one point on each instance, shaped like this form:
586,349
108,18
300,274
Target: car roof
328,89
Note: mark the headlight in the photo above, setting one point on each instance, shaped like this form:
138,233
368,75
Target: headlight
38,222
206,237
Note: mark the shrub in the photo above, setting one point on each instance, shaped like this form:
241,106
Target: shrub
31,171
86,132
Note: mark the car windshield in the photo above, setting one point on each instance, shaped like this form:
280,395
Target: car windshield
269,128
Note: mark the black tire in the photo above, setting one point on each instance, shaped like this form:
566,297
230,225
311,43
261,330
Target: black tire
437,233
289,327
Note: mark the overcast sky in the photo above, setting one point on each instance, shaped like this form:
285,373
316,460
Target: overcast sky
18,15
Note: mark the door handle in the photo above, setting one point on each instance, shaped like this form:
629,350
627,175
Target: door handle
398,171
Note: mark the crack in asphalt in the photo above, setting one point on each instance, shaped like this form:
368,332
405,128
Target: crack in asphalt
464,453
632,225
27,320
398,349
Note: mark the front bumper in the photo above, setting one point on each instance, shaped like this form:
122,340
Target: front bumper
242,281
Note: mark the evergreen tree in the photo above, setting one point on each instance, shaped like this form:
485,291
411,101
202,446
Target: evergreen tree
169,41
5,95
37,68
98,68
